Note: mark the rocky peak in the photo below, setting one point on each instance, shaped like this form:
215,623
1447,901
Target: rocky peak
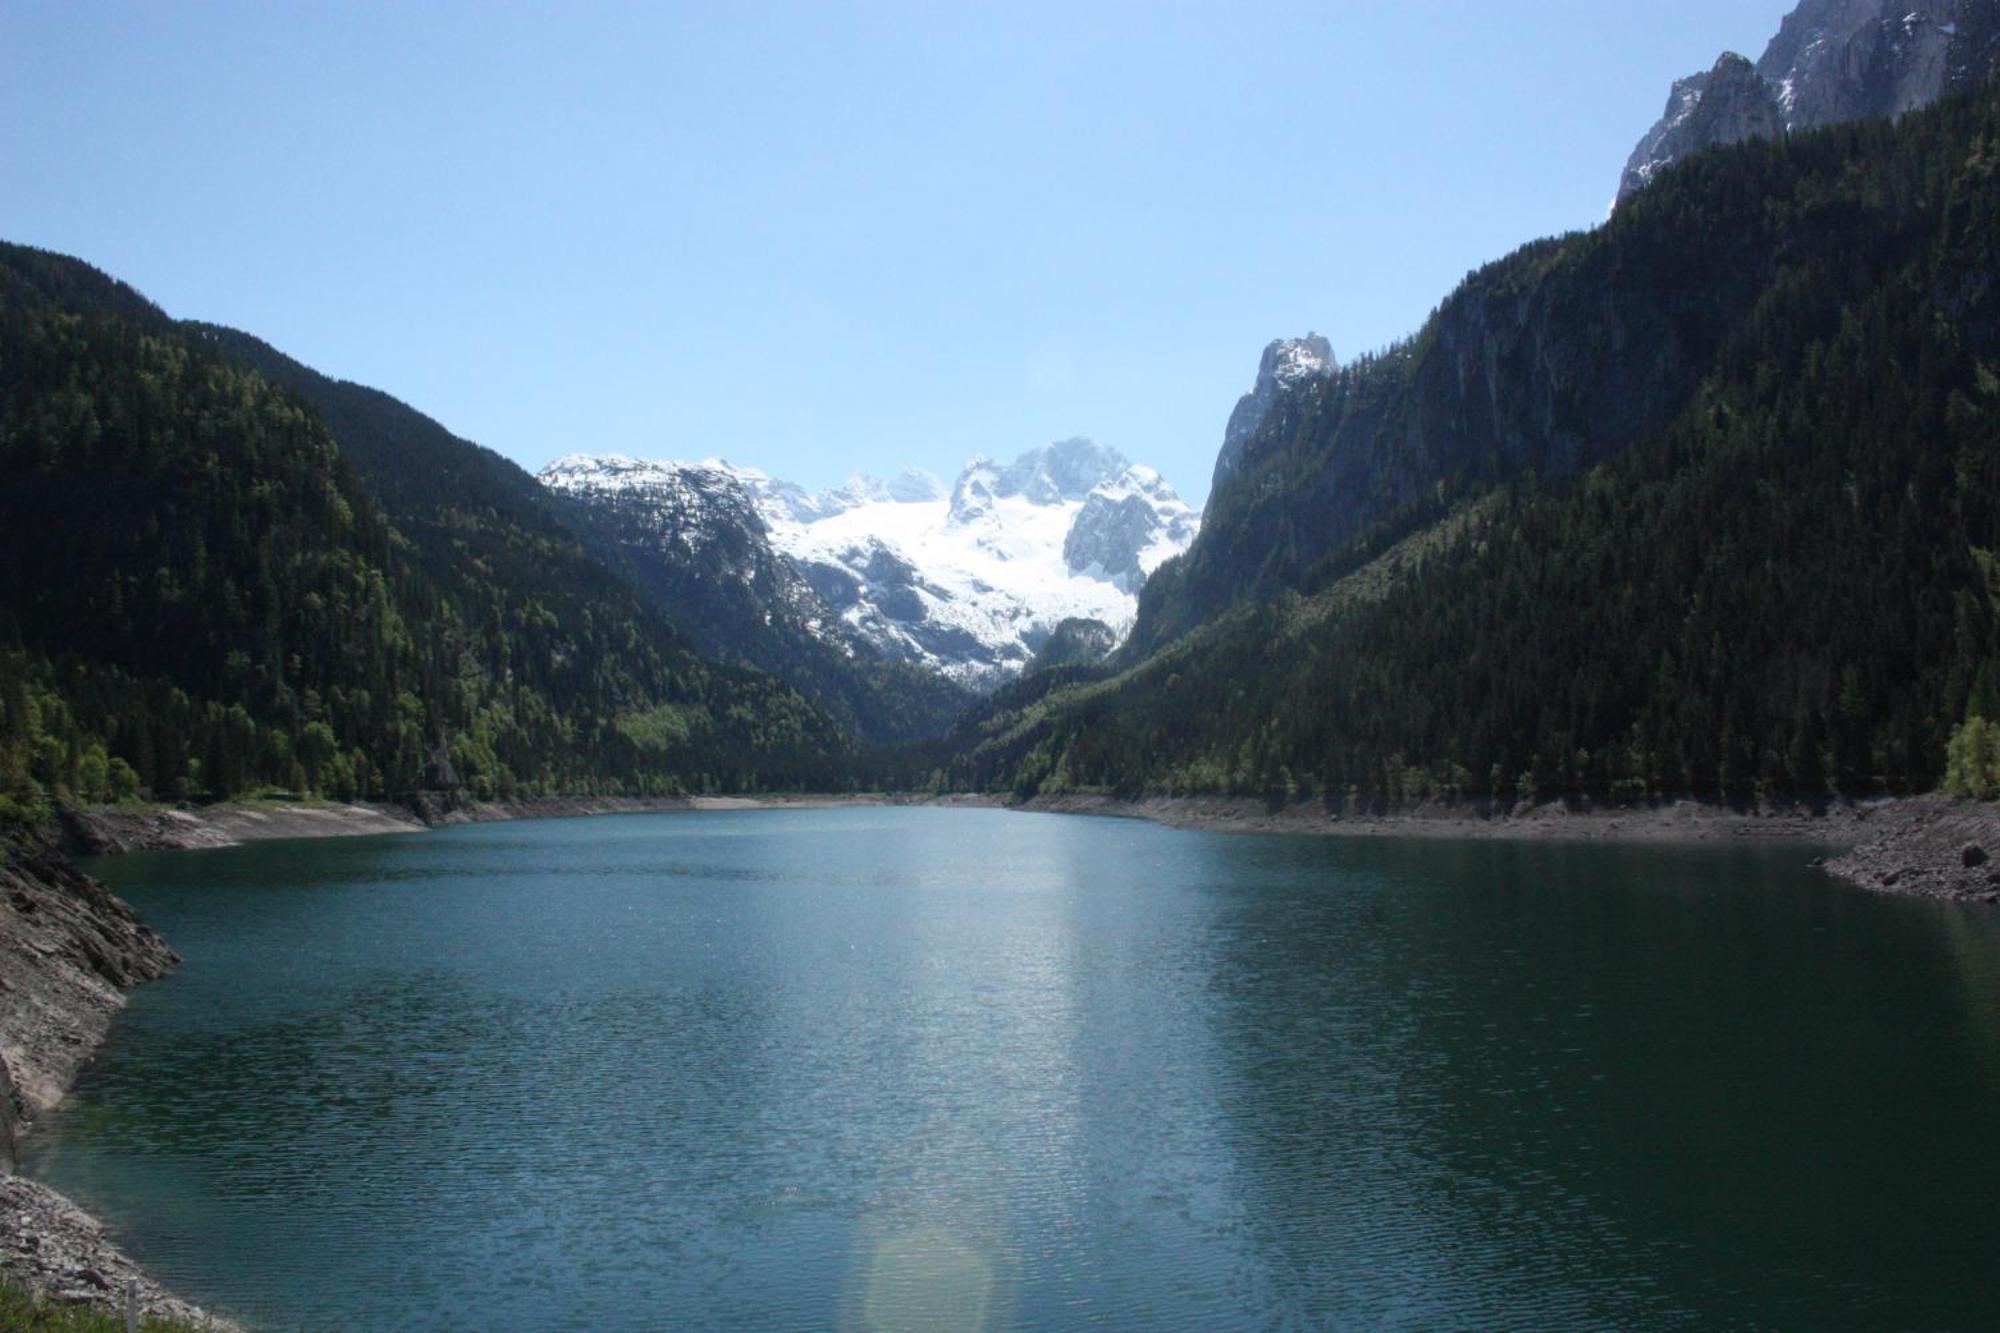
889,570
1108,538
972,496
1059,473
915,486
1076,642
1840,60
911,486
692,503
1728,104
1832,61
1288,365
1065,470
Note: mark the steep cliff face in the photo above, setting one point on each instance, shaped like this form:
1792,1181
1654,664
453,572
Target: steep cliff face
1833,61
1566,352
1726,105
1779,579
1289,370
1840,60
1543,363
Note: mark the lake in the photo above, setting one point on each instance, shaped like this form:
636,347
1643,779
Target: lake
926,1068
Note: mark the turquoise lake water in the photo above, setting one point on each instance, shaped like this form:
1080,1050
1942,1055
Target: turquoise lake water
914,1068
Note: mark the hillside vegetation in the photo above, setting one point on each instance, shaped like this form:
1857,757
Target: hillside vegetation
452,497
1735,459
203,598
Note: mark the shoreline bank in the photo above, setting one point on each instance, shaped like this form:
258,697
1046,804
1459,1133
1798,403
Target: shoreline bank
1924,846
1669,822
69,952
109,830
1921,846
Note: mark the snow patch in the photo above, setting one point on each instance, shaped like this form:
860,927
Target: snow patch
970,581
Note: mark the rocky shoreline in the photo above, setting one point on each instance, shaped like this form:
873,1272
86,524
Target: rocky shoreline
1687,821
1926,846
68,952
116,829
1929,847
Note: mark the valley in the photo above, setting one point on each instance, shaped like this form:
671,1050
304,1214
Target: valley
1576,657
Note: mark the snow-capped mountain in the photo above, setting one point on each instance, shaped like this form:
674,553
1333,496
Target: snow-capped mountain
1832,61
969,581
692,539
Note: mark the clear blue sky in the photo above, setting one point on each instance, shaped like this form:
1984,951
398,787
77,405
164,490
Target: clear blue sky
830,237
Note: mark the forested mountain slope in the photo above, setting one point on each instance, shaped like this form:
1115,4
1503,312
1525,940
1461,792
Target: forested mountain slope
1702,501
691,538
201,597
451,496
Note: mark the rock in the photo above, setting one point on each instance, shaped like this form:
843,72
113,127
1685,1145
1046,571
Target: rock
1973,856
50,1246
1065,470
1108,538
1833,61
1727,105
762,570
1289,365
67,947
1075,642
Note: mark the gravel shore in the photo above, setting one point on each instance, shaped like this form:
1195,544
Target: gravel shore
1687,821
115,829
68,952
1925,846
1929,847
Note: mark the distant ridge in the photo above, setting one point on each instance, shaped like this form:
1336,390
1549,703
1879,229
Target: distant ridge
969,583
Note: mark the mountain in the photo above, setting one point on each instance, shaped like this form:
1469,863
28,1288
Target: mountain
1082,643
693,537
1833,61
1290,370
967,583
1726,105
1703,501
452,496
207,592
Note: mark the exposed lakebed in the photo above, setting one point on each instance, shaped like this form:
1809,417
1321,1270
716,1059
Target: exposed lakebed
923,1068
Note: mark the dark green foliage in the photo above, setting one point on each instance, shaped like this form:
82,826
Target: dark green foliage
454,499
743,603
1773,573
1076,642
199,588
1553,359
